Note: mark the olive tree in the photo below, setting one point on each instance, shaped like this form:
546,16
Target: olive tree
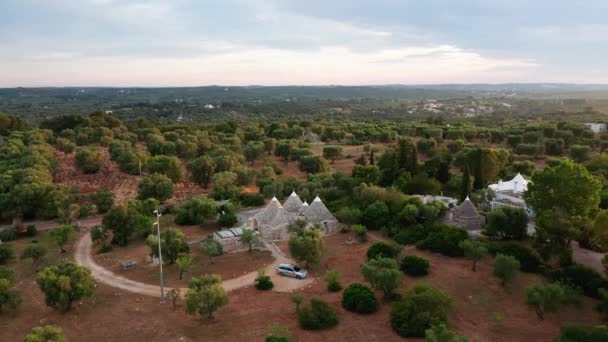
64,284
205,295
173,243
383,274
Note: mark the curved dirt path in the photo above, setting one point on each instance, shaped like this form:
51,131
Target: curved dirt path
82,256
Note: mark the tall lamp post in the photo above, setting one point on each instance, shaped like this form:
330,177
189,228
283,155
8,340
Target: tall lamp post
160,257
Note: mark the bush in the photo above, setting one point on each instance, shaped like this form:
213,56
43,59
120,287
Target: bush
103,200
155,186
382,250
263,281
505,268
46,333
360,299
414,265
317,315
360,232
444,240
507,223
104,249
31,230
198,210
580,276
333,284
411,235
8,234
169,166
88,159
7,273
251,200
419,309
528,258
6,253
583,333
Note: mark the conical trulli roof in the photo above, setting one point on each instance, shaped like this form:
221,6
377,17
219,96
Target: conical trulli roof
280,220
466,210
293,203
266,215
317,212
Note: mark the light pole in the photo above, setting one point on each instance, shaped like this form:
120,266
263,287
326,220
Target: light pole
160,257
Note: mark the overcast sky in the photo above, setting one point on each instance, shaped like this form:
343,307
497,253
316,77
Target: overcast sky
305,42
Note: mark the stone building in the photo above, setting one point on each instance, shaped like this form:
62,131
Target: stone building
467,216
271,222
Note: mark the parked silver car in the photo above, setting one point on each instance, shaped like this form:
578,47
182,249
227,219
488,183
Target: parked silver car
290,270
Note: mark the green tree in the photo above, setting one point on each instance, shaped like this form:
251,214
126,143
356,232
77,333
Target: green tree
202,169
99,233
419,308
205,295
283,149
6,253
474,250
332,152
103,200
169,166
184,263
252,151
211,248
172,243
332,280
407,156
269,145
34,251
65,283
505,268
9,297
124,222
313,164
197,210
549,298
376,215
507,223
349,215
568,187
383,274
155,186
88,159
250,238
306,245
61,236
441,333
47,333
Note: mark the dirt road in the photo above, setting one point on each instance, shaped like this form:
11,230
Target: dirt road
82,255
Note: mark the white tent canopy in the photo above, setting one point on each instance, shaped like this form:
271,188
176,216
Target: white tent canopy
517,185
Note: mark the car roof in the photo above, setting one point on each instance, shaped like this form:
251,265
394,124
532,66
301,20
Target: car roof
286,265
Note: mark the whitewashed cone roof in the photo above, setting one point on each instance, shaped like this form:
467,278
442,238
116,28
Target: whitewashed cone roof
293,203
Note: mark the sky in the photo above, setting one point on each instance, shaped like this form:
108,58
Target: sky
301,42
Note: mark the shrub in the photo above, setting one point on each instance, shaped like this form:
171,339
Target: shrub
528,259
444,240
383,274
317,315
7,273
8,234
360,232
31,230
88,159
104,249
583,333
414,265
6,253
155,186
360,299
333,284
103,200
419,309
46,333
505,268
251,200
198,210
382,250
263,281
169,166
412,234
507,223
580,276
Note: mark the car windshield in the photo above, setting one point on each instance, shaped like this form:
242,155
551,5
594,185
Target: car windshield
297,269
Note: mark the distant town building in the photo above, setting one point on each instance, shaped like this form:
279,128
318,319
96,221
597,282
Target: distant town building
597,127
